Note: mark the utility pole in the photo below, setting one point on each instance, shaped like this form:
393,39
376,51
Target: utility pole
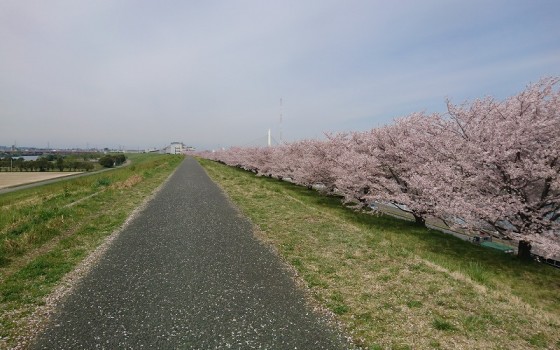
269,138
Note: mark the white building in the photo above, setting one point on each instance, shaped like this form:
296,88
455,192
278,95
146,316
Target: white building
175,148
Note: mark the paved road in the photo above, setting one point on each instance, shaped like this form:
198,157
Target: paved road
187,273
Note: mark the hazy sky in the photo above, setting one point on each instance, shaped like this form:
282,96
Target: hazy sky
139,73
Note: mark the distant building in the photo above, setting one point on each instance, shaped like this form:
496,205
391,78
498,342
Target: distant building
175,148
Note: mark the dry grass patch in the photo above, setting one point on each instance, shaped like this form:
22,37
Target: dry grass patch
128,183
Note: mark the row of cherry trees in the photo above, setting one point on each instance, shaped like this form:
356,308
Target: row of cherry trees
483,163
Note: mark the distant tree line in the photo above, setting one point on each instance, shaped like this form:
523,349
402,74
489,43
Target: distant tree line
54,162
44,164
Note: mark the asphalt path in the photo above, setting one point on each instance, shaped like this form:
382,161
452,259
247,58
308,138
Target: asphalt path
187,273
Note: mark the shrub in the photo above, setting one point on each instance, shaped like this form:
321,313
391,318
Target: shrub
107,161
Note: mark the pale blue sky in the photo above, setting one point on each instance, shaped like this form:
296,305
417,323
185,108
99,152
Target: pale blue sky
211,73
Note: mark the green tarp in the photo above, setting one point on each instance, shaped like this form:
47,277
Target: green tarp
498,246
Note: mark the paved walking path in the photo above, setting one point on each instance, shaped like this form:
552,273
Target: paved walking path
188,273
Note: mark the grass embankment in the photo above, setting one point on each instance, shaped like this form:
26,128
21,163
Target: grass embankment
396,285
46,231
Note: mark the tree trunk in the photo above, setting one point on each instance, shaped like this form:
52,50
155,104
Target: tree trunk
524,250
419,220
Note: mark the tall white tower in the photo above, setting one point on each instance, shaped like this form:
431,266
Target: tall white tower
280,119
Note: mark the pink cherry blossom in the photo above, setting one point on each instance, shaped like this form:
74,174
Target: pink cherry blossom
484,164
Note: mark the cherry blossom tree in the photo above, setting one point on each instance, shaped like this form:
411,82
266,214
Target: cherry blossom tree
396,158
485,163
356,165
502,165
315,165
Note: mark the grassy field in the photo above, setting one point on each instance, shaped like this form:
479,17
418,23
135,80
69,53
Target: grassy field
47,230
9,179
392,284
